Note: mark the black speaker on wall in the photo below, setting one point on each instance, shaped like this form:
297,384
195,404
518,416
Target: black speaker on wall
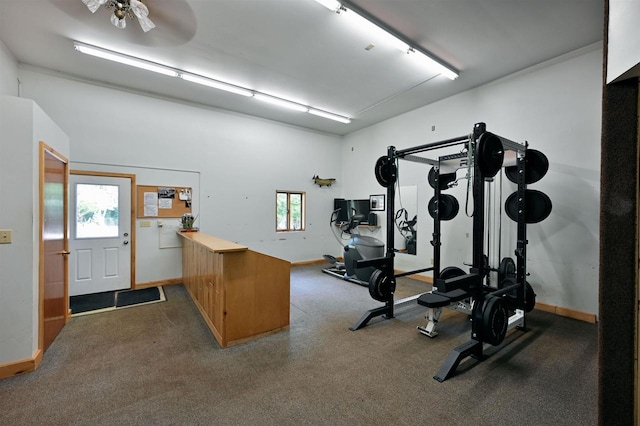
373,219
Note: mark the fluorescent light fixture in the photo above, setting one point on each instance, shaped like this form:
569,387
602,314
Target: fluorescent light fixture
332,5
329,115
280,102
432,64
205,81
193,78
124,59
377,34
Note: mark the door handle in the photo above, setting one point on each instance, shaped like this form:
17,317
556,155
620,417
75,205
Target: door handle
125,242
64,252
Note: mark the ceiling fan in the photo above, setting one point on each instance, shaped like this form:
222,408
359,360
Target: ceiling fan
123,9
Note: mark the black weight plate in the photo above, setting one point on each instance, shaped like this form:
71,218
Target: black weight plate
512,296
495,320
381,286
448,207
530,297
506,269
385,171
537,206
536,166
490,154
451,272
444,179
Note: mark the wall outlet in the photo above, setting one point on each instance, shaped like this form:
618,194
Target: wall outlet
6,236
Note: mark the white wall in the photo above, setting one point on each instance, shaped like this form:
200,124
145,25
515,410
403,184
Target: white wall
241,161
8,72
22,126
556,107
623,54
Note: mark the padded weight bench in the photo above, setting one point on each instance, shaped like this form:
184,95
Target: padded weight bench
457,299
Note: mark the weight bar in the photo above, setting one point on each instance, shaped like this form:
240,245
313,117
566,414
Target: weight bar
511,297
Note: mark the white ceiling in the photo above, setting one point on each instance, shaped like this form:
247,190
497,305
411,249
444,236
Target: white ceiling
299,50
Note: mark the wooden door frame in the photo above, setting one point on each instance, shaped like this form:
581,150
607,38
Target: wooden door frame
132,283
44,148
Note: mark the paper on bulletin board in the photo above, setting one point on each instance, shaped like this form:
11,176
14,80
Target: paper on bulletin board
151,204
165,203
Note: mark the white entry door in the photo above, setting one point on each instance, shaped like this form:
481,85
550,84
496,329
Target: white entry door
100,230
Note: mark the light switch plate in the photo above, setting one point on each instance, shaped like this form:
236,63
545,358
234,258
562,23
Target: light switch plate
5,236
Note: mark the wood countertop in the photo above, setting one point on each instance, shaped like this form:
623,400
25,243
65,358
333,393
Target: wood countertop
214,244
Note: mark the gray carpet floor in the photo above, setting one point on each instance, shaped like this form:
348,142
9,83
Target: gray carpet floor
160,365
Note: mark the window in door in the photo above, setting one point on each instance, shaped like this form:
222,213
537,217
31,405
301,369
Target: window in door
290,211
96,211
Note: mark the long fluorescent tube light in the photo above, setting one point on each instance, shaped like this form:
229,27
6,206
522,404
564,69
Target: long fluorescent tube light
124,59
332,5
280,102
329,115
432,64
378,33
216,84
199,79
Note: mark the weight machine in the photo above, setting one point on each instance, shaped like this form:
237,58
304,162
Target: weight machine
483,155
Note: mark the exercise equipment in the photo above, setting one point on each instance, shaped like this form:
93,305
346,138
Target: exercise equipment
407,229
442,180
537,206
358,247
493,310
536,166
447,208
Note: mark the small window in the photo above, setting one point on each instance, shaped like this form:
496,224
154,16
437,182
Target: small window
290,211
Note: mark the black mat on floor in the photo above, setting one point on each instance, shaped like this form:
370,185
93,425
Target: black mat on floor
92,302
110,300
133,297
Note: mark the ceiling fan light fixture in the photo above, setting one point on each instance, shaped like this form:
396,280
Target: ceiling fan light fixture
123,9
125,59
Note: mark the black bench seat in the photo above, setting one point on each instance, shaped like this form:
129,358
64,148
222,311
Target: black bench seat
436,299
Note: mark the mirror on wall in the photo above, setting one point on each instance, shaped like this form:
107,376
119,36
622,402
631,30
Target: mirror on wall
406,218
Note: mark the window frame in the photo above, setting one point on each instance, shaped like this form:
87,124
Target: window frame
303,213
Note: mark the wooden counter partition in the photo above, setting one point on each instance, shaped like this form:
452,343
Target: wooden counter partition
242,294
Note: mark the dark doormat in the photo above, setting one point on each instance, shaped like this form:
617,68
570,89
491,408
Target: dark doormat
111,300
92,302
135,297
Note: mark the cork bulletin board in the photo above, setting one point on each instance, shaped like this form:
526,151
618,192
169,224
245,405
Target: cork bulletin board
163,201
